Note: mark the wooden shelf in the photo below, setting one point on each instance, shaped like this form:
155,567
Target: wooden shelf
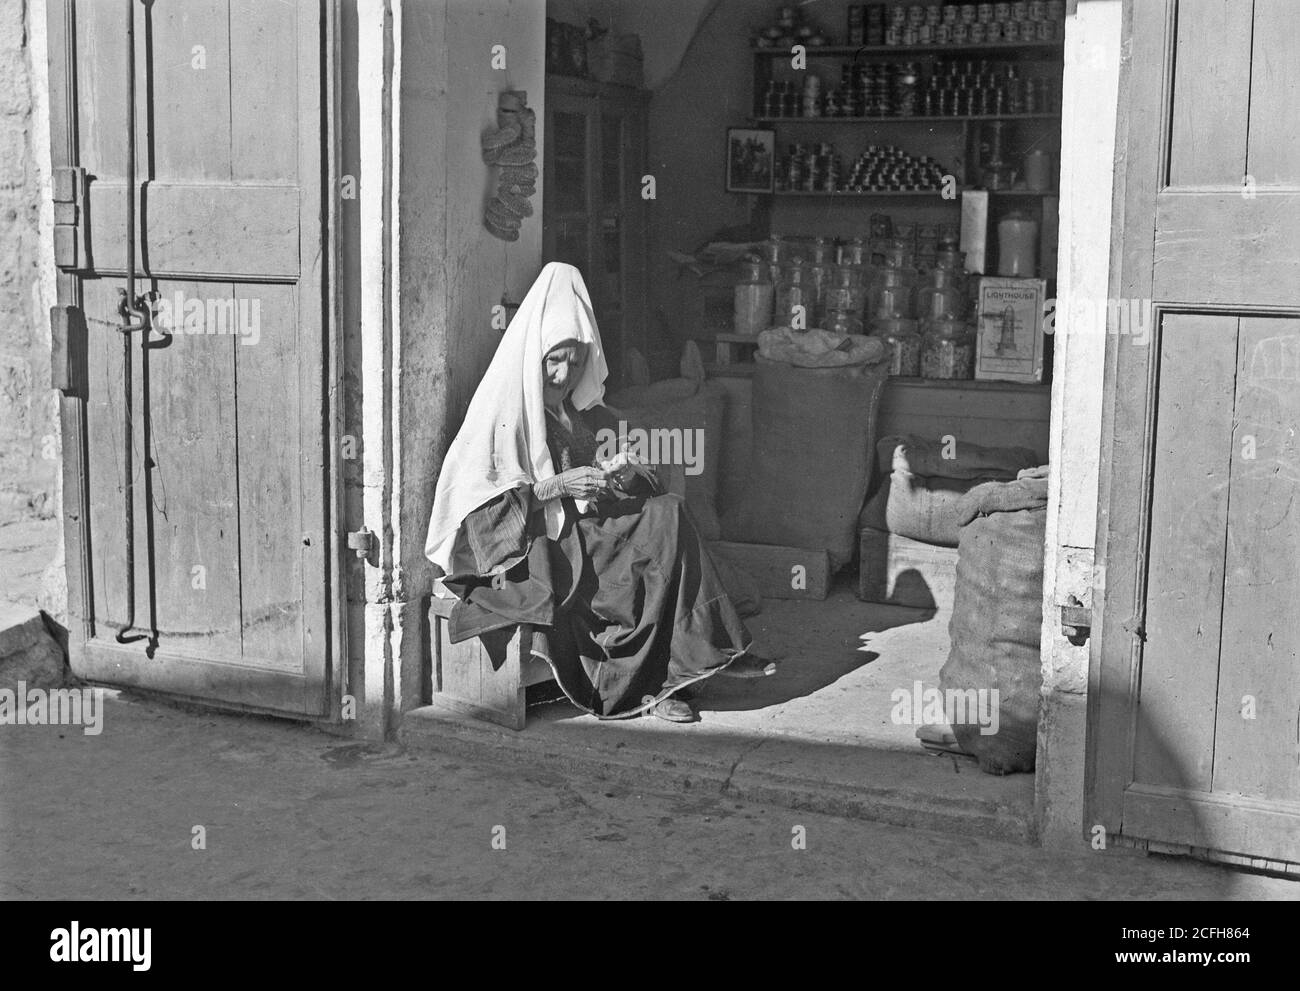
859,196
746,370
1021,193
840,51
904,120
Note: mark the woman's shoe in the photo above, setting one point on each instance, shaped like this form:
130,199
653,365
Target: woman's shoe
749,666
674,709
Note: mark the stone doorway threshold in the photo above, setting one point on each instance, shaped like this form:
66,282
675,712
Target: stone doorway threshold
818,735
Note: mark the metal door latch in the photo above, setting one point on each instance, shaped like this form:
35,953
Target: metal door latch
362,542
1076,621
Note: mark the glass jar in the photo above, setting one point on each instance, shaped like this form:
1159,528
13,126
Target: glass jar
942,298
754,298
853,252
893,296
847,292
774,256
843,322
792,303
818,275
948,350
902,342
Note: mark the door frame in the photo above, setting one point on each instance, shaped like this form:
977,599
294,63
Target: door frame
64,151
1196,823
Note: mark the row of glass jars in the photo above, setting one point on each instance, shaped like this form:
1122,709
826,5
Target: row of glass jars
819,293
922,317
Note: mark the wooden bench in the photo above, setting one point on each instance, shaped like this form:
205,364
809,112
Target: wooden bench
486,677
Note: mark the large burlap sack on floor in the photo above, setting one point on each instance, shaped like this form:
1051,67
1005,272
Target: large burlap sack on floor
682,405
814,439
996,628
924,509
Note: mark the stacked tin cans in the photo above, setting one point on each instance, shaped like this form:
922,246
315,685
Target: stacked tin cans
918,25
890,169
810,168
945,88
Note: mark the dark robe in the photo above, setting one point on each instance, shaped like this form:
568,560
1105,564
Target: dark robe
627,598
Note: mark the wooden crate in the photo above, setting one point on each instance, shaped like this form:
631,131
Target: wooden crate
485,677
775,569
733,349
900,571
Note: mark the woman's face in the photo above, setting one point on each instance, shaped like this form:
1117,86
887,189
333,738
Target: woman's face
561,368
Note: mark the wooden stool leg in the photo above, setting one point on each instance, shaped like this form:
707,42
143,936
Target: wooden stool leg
482,677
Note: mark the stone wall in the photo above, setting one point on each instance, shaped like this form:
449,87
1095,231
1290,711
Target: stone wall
28,411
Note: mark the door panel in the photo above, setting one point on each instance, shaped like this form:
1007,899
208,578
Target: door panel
228,439
1193,735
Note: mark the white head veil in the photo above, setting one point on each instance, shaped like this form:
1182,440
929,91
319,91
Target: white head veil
502,443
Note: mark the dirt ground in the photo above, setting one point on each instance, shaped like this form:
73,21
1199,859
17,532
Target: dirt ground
289,812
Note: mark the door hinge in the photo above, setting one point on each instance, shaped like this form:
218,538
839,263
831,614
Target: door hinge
363,542
1076,621
71,245
68,350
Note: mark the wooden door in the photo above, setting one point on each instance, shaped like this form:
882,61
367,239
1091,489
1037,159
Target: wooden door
231,573
1195,690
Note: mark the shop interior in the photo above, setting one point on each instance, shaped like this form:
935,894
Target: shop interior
844,171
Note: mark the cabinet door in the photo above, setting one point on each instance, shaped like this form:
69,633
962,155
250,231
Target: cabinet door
570,197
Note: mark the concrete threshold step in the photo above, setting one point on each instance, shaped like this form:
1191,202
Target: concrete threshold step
842,778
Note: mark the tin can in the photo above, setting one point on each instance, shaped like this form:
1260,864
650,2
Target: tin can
1037,10
1056,10
994,30
1011,31
898,16
934,14
984,13
960,34
1046,30
1001,11
925,34
977,33
916,15
1020,10
943,34
969,13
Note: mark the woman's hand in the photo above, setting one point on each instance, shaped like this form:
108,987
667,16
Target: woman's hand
584,483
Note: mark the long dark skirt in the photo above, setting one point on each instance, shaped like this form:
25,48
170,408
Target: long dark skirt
645,615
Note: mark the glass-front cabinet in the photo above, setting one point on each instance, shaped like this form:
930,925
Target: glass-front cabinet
593,213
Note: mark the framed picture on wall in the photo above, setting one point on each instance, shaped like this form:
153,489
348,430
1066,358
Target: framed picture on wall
751,159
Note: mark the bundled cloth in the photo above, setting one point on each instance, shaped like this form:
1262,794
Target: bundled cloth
819,348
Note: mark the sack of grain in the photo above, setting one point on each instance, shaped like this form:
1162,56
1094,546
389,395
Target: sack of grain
814,435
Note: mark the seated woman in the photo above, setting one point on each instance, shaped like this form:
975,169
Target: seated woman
528,527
